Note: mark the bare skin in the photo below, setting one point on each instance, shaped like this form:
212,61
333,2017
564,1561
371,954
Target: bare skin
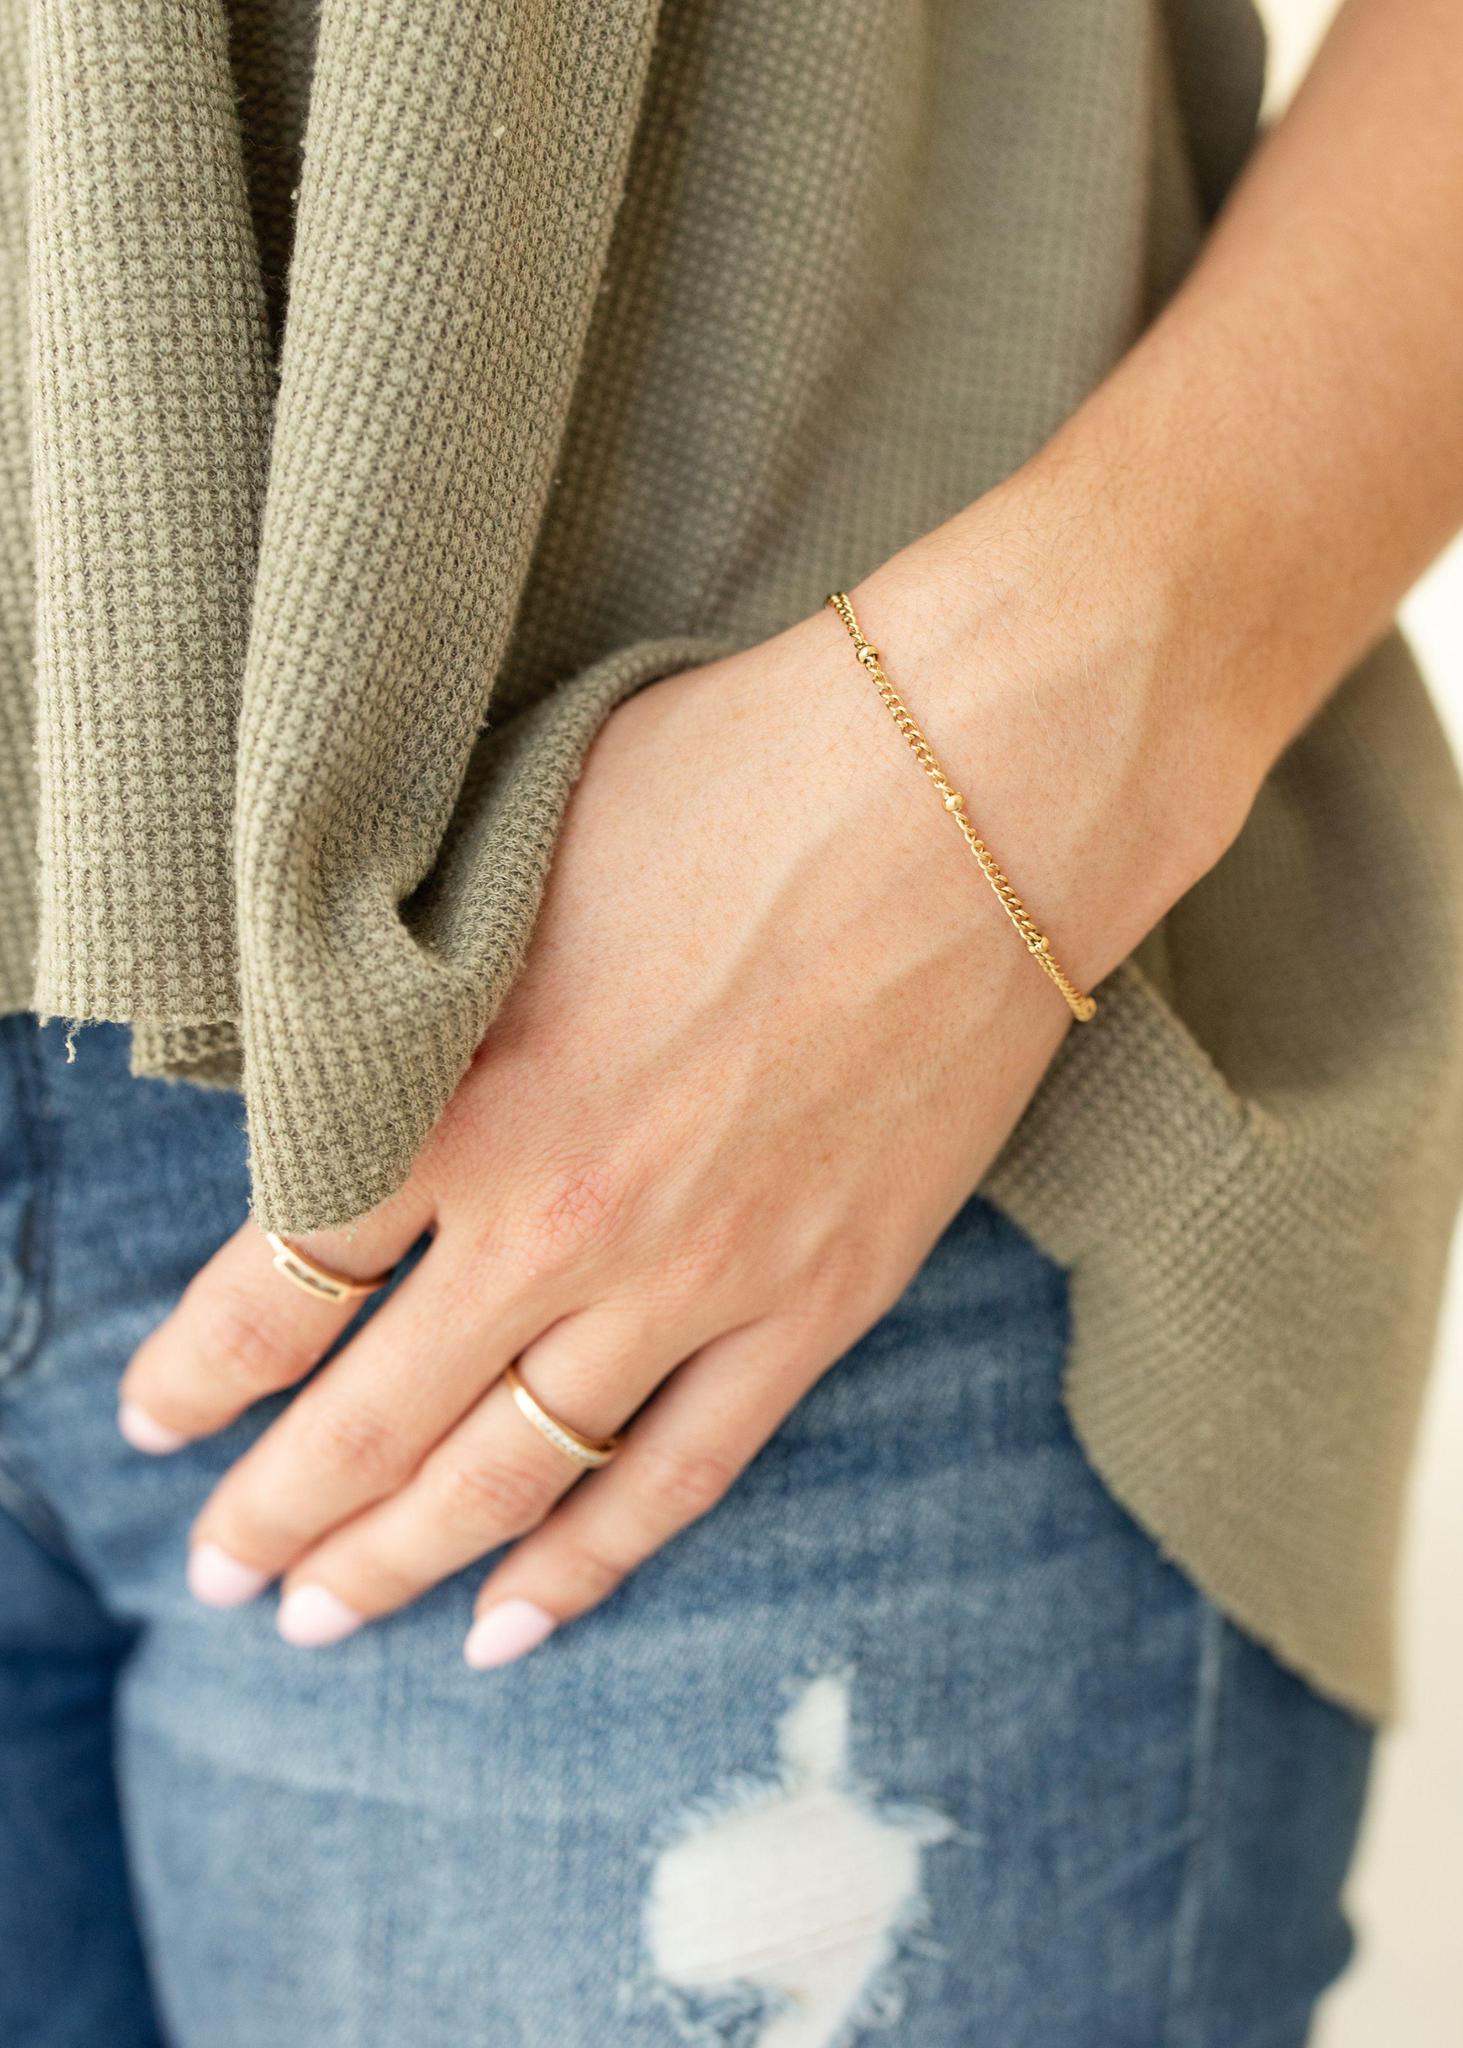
773,1027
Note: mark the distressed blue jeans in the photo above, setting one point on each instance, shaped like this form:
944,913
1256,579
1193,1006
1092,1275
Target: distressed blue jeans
916,1731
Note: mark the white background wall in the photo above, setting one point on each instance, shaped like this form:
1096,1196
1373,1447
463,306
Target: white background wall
1407,1893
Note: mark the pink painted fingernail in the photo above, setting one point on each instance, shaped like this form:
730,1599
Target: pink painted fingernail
219,1580
144,1433
509,1630
311,1617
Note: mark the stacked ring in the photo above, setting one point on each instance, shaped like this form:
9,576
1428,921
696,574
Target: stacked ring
564,1439
312,1278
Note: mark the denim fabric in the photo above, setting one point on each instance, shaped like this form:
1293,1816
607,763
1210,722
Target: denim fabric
1077,1809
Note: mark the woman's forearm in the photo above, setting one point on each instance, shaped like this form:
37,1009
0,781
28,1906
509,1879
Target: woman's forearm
1240,506
1287,442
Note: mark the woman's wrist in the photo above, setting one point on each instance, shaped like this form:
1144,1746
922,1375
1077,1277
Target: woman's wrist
1055,665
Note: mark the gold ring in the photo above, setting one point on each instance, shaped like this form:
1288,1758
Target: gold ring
559,1434
313,1278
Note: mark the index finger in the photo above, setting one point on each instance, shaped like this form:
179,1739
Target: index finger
245,1328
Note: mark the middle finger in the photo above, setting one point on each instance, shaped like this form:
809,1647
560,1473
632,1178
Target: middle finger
491,1478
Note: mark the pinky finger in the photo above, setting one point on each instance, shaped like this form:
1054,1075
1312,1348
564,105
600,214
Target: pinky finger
700,1432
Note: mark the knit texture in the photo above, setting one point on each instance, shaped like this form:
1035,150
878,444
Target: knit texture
385,396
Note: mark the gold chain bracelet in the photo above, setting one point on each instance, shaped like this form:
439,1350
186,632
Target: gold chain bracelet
1033,938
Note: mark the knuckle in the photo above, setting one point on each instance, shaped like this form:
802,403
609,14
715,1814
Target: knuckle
838,1282
244,1352
356,1442
474,1275
481,1496
701,1262
576,1213
587,1573
680,1486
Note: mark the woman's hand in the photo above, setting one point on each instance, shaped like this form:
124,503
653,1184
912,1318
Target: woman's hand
772,1030
773,1026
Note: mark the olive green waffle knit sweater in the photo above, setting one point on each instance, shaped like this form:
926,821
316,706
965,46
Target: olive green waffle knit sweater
379,406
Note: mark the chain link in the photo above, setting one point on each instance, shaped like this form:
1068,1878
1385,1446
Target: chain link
1032,937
